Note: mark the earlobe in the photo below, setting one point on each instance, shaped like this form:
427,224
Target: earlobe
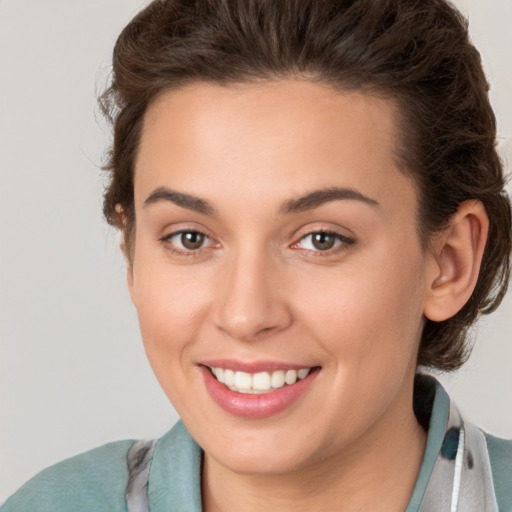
129,267
457,255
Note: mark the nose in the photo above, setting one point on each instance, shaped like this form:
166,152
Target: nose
251,303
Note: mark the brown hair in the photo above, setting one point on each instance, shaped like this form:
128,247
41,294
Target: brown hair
415,52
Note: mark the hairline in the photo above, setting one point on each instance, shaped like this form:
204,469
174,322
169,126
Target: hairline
370,89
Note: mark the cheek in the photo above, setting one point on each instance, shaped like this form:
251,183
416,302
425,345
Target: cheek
170,315
170,305
369,314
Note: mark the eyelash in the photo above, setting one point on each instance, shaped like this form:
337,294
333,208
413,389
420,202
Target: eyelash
344,243
165,240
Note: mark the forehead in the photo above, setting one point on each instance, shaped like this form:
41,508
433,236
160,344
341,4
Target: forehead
293,135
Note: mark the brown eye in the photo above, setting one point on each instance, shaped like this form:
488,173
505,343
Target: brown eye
192,240
328,242
323,241
186,242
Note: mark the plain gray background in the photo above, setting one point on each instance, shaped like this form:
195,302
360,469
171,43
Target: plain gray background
73,374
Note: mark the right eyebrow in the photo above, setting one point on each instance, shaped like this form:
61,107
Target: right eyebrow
181,199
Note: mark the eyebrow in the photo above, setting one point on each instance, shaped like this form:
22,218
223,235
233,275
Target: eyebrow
303,203
317,198
180,199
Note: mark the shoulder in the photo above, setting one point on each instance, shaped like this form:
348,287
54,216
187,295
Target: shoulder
500,455
95,480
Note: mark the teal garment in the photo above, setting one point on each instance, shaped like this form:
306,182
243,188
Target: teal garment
97,480
500,452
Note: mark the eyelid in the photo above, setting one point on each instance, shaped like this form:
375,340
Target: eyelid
344,241
184,226
165,240
182,231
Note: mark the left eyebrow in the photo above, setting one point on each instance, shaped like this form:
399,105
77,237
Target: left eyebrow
317,198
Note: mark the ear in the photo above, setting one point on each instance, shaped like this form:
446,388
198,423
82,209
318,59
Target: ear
129,279
456,258
129,268
129,265
121,218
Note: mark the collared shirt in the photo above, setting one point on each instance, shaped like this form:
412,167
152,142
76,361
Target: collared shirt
463,470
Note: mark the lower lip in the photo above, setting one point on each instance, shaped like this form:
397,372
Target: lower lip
255,406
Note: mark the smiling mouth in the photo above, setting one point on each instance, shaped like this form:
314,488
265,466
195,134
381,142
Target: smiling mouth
258,383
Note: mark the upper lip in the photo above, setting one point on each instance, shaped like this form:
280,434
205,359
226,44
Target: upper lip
254,366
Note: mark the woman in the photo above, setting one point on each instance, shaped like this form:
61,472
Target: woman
312,207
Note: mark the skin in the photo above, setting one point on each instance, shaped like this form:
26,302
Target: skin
258,289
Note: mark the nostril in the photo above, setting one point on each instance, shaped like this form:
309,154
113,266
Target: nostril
266,329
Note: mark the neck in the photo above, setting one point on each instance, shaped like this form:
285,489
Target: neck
377,472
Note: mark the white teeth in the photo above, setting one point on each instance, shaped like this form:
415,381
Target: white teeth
290,377
243,380
257,383
301,373
246,391
261,381
229,377
277,380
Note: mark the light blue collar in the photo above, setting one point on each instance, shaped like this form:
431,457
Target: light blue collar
455,474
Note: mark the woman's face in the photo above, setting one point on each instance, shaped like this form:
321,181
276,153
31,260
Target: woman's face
275,233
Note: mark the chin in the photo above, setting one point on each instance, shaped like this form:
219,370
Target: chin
263,451
261,463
